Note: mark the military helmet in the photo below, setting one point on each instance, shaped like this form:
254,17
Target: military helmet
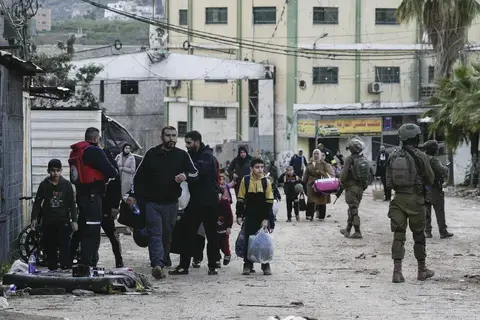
356,145
430,144
408,131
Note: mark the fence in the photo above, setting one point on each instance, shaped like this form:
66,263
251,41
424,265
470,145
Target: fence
11,160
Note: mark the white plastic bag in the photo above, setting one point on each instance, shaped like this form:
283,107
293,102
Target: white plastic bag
275,207
260,247
185,197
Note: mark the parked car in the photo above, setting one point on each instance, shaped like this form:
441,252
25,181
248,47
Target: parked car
327,131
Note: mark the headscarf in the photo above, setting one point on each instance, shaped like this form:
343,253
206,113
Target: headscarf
123,148
313,156
241,161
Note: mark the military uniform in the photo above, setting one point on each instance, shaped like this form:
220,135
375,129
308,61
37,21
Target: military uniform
435,196
353,189
407,209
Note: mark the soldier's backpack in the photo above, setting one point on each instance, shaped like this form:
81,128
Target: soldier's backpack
404,169
361,171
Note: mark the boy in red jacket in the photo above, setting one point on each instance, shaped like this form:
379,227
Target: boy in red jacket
224,228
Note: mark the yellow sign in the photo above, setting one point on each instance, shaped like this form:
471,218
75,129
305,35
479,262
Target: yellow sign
306,128
349,126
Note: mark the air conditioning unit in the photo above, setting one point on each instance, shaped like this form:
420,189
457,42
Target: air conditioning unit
375,87
172,83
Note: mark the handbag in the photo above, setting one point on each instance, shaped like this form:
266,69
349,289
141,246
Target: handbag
326,186
128,218
302,204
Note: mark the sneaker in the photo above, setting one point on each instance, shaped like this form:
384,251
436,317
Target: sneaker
252,270
267,271
246,270
196,264
178,271
212,272
226,260
157,273
297,217
428,234
289,220
218,265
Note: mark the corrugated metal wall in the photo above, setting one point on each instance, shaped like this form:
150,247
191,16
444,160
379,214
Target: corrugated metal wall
52,133
11,159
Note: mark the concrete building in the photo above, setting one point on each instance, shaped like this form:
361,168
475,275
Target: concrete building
130,7
357,70
43,19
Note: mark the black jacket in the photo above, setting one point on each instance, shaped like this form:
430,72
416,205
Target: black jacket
382,164
154,180
96,158
56,202
204,191
113,192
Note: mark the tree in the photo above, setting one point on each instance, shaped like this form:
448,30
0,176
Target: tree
458,109
446,23
58,73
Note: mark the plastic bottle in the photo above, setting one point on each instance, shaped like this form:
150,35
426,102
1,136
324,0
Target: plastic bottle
32,264
136,209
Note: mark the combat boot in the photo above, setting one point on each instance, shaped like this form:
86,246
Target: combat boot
445,234
357,234
423,272
346,231
397,272
428,234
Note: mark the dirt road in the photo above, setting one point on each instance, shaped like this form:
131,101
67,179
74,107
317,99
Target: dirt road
315,265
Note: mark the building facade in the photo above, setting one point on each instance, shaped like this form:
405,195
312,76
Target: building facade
130,7
43,19
350,56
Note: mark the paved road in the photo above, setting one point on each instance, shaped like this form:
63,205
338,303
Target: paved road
314,265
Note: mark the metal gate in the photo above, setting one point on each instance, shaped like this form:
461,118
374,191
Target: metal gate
11,159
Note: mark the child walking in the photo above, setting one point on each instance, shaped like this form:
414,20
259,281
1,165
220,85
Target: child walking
290,180
226,187
224,228
56,200
254,205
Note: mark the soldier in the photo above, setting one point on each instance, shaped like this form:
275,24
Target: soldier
435,196
409,173
354,178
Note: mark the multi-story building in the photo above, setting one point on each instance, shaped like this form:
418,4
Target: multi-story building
43,19
342,67
130,7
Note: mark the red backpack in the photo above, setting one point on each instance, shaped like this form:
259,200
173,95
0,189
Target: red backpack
79,172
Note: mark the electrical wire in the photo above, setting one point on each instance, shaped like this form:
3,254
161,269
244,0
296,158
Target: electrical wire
259,46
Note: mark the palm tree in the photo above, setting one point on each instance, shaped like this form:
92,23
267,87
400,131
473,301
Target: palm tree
446,23
458,109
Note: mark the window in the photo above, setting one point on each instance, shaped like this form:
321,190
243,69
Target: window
387,74
385,16
264,15
325,75
183,17
215,113
129,87
181,128
325,15
216,81
216,15
101,94
431,74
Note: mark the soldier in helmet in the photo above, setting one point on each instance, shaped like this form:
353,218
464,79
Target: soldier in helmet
354,178
435,196
409,173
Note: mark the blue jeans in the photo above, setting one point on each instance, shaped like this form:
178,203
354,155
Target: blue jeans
160,221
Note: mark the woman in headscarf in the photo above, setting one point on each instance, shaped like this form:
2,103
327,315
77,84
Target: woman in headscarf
239,167
126,166
317,168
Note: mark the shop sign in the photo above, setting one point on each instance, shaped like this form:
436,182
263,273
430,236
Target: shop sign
306,128
349,127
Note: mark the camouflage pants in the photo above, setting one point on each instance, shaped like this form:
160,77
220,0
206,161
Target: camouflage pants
435,198
353,197
408,210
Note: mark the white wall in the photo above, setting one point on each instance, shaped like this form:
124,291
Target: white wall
52,134
461,160
214,131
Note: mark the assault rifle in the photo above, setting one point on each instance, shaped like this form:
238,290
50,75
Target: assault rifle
338,194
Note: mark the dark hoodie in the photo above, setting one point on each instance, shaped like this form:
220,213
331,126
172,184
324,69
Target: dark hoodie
56,202
239,165
204,191
113,192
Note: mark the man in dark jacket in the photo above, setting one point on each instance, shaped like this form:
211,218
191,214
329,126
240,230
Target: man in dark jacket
298,162
203,206
239,167
89,195
327,152
382,172
157,184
